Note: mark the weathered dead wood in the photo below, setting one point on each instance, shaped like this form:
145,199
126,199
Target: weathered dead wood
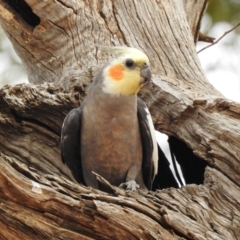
208,124
53,207
30,124
192,207
62,48
194,12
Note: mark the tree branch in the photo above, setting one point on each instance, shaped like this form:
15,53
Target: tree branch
227,32
67,210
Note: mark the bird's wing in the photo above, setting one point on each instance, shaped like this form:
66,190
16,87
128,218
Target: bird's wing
149,144
164,177
70,143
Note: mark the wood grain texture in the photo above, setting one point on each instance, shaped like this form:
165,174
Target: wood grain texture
61,54
194,12
30,127
192,212
53,207
63,46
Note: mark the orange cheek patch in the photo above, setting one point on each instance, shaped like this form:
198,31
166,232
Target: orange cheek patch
116,72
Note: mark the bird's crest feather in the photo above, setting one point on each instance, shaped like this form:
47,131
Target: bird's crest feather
122,51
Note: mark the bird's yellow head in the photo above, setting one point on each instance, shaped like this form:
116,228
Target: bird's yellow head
126,74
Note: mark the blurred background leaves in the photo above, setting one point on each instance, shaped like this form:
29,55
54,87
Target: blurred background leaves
221,62
224,11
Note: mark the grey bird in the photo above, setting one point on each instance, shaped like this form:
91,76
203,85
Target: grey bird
112,132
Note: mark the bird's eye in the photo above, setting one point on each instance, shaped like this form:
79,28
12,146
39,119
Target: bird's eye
129,63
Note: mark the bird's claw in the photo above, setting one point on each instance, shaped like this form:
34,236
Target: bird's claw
130,185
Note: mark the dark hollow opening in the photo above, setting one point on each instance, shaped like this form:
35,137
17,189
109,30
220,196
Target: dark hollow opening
24,11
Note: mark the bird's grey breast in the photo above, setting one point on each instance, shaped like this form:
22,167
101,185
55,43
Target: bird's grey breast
110,139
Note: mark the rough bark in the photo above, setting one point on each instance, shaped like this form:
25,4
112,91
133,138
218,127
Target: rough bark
59,46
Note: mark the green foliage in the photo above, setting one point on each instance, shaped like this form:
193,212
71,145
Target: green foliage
224,11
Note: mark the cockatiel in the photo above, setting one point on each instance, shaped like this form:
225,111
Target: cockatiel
112,133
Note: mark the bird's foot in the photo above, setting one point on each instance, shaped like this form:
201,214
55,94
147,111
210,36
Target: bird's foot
130,185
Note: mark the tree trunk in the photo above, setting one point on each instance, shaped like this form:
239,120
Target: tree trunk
58,43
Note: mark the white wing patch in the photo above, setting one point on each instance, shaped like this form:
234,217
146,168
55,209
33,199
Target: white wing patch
155,149
162,140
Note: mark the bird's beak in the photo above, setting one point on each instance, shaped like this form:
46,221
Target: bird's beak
145,74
